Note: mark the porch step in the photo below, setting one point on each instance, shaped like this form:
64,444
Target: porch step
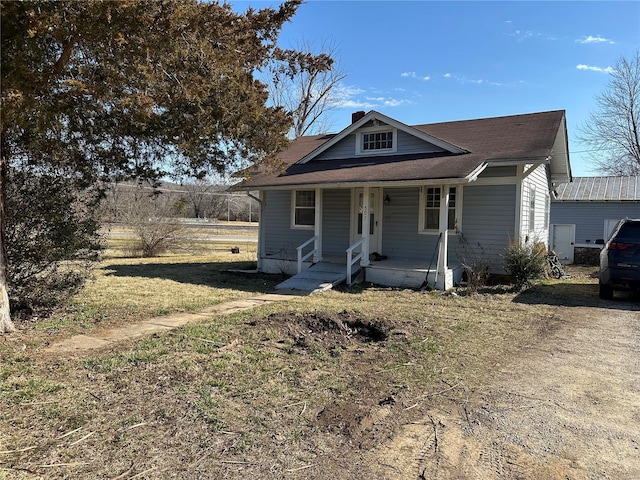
317,278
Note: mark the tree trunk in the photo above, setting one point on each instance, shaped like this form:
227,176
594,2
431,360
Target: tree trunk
6,325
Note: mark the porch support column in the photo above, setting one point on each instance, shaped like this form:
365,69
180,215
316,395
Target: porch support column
317,227
261,233
443,262
364,261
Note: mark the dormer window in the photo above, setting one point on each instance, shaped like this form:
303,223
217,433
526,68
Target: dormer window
377,141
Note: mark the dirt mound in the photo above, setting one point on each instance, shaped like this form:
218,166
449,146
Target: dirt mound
329,329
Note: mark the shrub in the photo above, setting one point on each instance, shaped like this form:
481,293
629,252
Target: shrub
52,236
151,216
525,262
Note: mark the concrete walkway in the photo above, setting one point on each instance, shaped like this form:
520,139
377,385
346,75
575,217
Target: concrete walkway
83,343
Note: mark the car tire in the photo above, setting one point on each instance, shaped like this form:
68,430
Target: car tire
606,292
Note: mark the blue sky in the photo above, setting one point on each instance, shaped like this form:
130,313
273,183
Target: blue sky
424,62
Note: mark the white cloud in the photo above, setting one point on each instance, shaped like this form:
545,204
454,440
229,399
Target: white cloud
595,39
483,81
352,97
414,75
348,103
387,101
345,96
395,102
521,35
582,66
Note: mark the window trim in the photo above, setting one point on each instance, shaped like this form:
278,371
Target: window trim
294,207
457,210
379,129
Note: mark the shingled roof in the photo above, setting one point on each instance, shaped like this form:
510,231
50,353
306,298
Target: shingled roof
598,189
513,138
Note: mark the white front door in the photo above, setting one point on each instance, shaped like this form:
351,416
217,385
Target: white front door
562,240
374,218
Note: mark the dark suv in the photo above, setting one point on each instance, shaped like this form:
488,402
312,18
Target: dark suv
620,259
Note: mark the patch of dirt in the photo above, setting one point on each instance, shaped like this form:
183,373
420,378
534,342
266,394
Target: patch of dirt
569,408
309,330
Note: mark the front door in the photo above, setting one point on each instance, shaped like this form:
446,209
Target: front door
562,240
374,218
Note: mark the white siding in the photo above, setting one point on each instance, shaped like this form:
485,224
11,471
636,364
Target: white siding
537,228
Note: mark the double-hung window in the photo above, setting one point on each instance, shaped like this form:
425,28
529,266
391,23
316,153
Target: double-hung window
432,198
304,209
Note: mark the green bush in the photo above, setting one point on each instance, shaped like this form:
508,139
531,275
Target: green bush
525,262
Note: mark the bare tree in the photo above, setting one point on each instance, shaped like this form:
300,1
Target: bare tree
199,192
612,132
304,84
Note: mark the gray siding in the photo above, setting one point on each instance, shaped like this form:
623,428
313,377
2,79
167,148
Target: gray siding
280,240
411,144
488,223
405,144
507,171
335,221
346,148
400,237
589,217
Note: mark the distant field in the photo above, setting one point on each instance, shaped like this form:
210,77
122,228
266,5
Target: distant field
196,229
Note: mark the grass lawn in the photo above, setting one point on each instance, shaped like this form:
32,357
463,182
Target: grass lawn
297,389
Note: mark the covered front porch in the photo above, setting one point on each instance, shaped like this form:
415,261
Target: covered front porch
376,241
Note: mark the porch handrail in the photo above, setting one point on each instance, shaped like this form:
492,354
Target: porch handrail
351,261
301,247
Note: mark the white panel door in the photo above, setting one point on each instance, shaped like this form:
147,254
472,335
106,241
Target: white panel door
562,240
374,218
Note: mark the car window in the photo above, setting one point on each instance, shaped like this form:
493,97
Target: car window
629,230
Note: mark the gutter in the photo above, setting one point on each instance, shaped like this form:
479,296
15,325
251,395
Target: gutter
396,183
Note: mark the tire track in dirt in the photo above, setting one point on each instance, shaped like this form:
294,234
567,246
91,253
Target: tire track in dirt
568,408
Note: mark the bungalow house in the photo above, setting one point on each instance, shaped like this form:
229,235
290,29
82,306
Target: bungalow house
407,204
585,211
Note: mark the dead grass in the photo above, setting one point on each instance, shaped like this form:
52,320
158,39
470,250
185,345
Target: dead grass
289,390
125,290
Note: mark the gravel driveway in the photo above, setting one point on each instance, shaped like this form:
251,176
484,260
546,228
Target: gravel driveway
568,408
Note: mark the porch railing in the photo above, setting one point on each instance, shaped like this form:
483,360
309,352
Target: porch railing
351,260
302,258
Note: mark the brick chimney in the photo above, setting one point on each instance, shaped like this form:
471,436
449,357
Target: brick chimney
355,116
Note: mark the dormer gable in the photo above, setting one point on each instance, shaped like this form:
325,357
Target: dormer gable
375,134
